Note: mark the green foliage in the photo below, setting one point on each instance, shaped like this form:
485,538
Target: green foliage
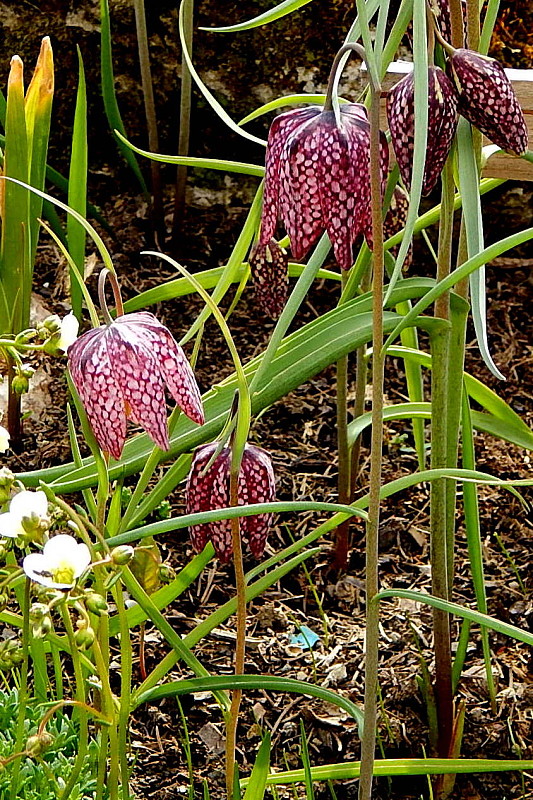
44,777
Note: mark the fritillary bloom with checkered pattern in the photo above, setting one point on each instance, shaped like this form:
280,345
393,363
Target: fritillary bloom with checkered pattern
268,264
318,178
488,101
442,124
209,489
120,371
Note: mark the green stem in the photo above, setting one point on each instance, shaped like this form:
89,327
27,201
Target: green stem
125,688
108,708
22,697
82,716
343,453
368,742
240,584
438,556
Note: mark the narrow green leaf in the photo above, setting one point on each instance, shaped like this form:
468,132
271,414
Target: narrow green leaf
491,252
281,10
468,175
201,163
77,189
268,683
257,780
109,95
401,766
15,269
481,421
460,611
304,751
180,287
213,102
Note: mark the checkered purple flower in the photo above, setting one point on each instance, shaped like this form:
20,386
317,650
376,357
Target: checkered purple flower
442,124
209,489
488,101
318,178
268,264
120,370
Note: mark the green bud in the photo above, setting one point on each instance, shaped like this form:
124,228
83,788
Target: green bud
41,624
38,743
122,554
163,510
11,654
166,573
7,480
84,636
96,603
50,325
51,345
20,384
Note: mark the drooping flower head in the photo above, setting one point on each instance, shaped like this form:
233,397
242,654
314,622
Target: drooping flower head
209,489
268,263
488,101
120,371
318,178
442,124
60,564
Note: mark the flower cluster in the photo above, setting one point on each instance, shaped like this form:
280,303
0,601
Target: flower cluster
475,87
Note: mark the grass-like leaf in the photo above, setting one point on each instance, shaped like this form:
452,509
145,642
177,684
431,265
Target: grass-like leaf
77,189
279,11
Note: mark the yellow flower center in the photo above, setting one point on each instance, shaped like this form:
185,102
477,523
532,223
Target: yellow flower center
64,573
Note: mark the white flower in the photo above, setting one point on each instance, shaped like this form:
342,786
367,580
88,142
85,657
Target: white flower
4,439
26,508
59,565
69,331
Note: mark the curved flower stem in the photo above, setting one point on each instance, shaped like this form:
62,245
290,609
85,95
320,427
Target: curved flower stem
106,273
338,63
372,529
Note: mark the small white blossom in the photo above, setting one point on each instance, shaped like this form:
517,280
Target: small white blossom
26,507
69,331
59,565
4,439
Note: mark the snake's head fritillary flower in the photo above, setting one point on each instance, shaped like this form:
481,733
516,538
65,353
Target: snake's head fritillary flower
209,489
60,564
488,101
4,439
268,263
442,124
27,515
318,178
120,370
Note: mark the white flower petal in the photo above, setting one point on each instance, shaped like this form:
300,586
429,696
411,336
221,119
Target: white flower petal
10,525
37,568
61,555
69,331
26,503
4,439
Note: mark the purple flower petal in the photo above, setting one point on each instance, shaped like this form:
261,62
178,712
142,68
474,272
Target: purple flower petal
488,101
268,264
120,371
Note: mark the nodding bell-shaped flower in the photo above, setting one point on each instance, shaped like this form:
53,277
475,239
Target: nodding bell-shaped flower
209,489
442,124
120,370
318,178
60,564
488,101
268,264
